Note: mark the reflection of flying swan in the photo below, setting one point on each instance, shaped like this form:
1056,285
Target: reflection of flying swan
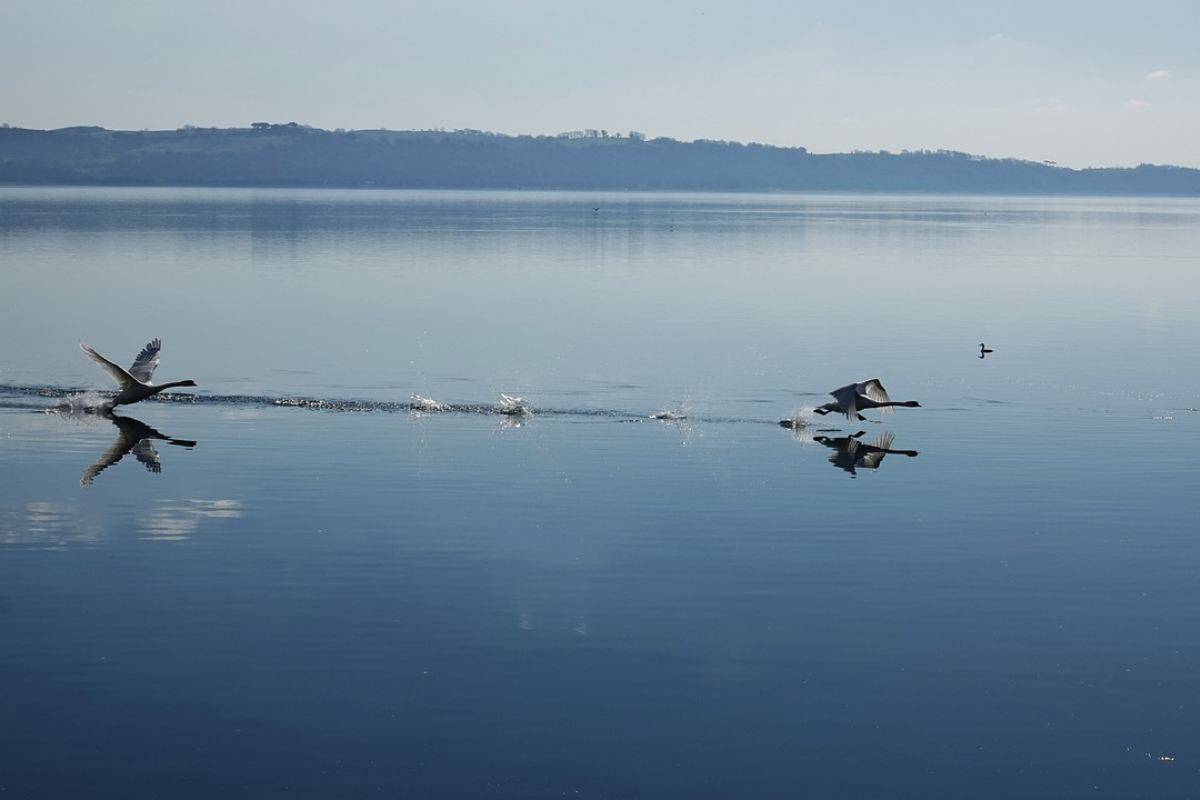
134,382
849,400
132,436
851,453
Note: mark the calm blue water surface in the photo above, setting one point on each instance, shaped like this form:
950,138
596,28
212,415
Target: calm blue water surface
586,602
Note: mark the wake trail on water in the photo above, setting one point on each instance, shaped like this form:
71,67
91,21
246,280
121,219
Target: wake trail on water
73,400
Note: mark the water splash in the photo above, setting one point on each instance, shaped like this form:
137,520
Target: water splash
89,402
799,423
799,419
427,405
512,406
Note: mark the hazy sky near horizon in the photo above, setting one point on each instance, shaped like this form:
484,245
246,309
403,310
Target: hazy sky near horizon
1081,83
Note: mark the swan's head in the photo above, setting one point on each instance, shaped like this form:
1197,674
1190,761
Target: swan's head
910,404
188,382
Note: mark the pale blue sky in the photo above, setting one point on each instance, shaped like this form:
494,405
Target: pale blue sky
1076,82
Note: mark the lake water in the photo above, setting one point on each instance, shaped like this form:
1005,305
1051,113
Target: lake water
354,600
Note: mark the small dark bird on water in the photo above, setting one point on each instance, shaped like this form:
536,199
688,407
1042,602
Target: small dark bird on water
984,350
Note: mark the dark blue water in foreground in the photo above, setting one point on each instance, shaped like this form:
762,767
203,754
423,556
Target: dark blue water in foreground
357,600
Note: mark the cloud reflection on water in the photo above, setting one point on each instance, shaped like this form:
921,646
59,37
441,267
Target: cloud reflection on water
178,520
47,525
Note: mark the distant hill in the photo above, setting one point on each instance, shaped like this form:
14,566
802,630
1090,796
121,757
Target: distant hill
296,155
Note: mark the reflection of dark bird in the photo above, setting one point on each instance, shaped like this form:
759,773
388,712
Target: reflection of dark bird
849,400
851,453
984,350
132,436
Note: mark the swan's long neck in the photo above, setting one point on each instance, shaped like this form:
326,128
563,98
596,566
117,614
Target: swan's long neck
173,385
904,403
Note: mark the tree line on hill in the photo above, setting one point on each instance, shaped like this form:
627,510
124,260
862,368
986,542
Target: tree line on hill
297,155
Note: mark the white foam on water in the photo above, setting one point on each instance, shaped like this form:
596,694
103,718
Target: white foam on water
512,405
427,405
799,421
83,403
801,417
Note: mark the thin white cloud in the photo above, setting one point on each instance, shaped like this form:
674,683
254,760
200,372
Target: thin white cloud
1158,75
1136,103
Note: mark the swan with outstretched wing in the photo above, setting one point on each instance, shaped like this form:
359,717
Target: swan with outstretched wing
855,397
134,384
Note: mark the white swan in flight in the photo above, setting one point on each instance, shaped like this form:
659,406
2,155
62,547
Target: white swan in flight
134,382
849,400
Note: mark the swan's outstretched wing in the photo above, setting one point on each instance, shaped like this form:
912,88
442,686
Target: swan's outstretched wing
872,459
873,390
147,456
120,446
847,397
146,361
845,453
123,378
876,450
